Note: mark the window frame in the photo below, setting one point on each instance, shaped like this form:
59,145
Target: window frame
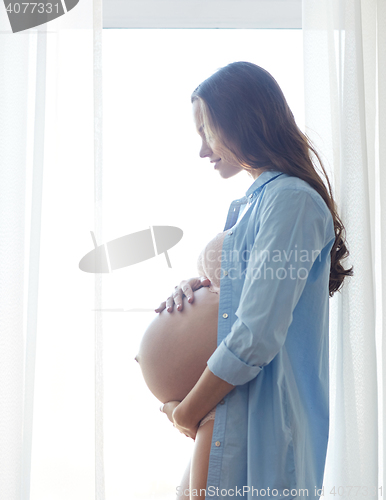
198,14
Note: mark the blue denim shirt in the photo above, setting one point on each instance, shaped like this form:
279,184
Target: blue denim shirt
271,431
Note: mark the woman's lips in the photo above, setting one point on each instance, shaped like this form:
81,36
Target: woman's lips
216,163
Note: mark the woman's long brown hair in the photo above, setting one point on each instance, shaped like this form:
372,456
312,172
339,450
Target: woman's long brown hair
244,109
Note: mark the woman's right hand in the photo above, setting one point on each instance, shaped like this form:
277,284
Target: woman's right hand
186,287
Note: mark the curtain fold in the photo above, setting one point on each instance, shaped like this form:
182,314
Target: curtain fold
50,77
344,64
14,58
381,143
98,232
34,255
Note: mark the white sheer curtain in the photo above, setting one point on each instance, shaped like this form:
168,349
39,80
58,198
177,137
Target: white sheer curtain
50,77
345,91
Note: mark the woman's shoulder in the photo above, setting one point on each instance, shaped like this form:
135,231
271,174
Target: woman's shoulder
289,188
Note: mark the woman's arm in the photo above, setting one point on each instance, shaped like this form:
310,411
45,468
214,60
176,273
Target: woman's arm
291,247
205,395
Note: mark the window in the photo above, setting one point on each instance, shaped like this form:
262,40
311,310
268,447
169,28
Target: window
154,176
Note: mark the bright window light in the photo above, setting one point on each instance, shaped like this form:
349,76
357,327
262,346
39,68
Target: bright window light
154,176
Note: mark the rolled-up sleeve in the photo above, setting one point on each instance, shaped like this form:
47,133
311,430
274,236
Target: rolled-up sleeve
291,233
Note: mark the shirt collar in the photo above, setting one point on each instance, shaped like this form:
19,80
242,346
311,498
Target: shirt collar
263,178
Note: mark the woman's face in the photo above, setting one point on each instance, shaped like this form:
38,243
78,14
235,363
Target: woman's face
212,150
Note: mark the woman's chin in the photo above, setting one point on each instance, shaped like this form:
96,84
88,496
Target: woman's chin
226,171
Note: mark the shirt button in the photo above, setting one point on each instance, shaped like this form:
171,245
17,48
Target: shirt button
250,196
217,443
230,232
226,273
225,315
222,402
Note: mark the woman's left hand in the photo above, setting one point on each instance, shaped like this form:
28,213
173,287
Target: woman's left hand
169,409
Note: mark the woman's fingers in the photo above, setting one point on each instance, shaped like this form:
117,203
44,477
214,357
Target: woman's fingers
196,285
161,307
184,289
177,297
204,281
188,287
168,409
167,304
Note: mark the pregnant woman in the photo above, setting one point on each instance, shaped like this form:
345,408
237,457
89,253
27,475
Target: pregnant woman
241,364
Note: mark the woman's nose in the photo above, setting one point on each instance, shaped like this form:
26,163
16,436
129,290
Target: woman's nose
205,150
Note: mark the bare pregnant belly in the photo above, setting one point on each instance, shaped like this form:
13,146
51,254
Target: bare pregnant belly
176,346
